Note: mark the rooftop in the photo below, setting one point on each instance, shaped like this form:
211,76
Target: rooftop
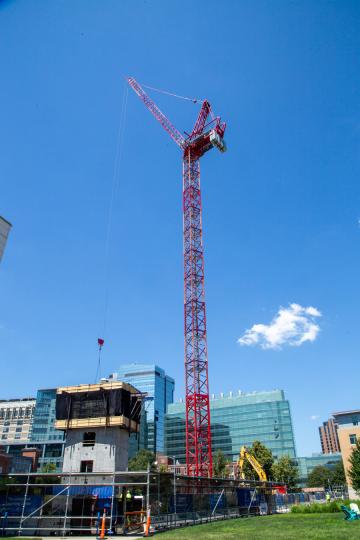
345,413
134,369
113,385
233,399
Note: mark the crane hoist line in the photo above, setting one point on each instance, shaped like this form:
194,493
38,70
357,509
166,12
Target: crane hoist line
205,135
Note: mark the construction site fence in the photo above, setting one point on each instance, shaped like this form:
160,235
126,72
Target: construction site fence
63,504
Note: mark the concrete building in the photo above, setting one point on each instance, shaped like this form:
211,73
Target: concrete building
159,389
5,227
348,423
16,417
236,420
328,437
98,419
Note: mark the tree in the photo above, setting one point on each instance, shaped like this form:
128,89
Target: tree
48,468
325,476
320,476
354,470
219,463
285,471
141,460
264,457
338,475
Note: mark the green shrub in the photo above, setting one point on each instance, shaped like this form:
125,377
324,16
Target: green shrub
320,508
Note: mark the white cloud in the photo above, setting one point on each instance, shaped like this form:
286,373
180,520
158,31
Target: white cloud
314,417
291,326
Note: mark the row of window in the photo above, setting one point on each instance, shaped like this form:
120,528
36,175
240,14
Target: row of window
23,412
17,430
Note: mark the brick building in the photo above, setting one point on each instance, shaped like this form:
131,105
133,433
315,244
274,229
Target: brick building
329,437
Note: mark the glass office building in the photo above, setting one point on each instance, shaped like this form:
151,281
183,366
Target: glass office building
307,464
159,387
43,426
238,420
43,429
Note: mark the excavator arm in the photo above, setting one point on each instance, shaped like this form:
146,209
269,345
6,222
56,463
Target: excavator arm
245,455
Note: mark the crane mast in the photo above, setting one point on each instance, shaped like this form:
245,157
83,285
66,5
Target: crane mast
202,138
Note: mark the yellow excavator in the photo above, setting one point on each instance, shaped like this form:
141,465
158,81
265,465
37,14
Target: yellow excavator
245,455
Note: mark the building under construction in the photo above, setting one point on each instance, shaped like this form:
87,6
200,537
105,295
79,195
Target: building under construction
98,420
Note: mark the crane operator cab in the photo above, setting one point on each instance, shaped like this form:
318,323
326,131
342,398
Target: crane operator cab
217,141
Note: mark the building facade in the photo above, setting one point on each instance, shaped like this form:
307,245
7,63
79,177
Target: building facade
98,419
159,389
44,435
5,227
38,432
238,420
307,464
328,437
348,423
16,417
43,425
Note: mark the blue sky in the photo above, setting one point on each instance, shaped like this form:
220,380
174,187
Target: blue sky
281,207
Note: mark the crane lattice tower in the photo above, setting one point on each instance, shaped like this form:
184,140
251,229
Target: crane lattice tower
204,136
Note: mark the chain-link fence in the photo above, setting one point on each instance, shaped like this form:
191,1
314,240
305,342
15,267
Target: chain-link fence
64,504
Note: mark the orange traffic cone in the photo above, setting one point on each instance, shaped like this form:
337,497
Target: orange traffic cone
102,532
148,523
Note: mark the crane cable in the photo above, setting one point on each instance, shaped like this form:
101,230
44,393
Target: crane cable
194,100
113,193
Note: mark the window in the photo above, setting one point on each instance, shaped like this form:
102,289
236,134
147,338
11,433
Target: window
4,437
18,430
89,438
352,439
6,430
86,466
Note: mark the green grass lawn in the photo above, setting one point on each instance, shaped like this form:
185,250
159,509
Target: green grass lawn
286,526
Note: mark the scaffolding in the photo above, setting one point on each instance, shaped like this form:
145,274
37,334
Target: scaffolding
41,504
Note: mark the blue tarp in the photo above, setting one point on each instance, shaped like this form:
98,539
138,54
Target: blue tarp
214,497
184,503
245,496
13,504
101,492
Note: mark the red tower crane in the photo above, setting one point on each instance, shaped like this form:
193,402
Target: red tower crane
204,136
